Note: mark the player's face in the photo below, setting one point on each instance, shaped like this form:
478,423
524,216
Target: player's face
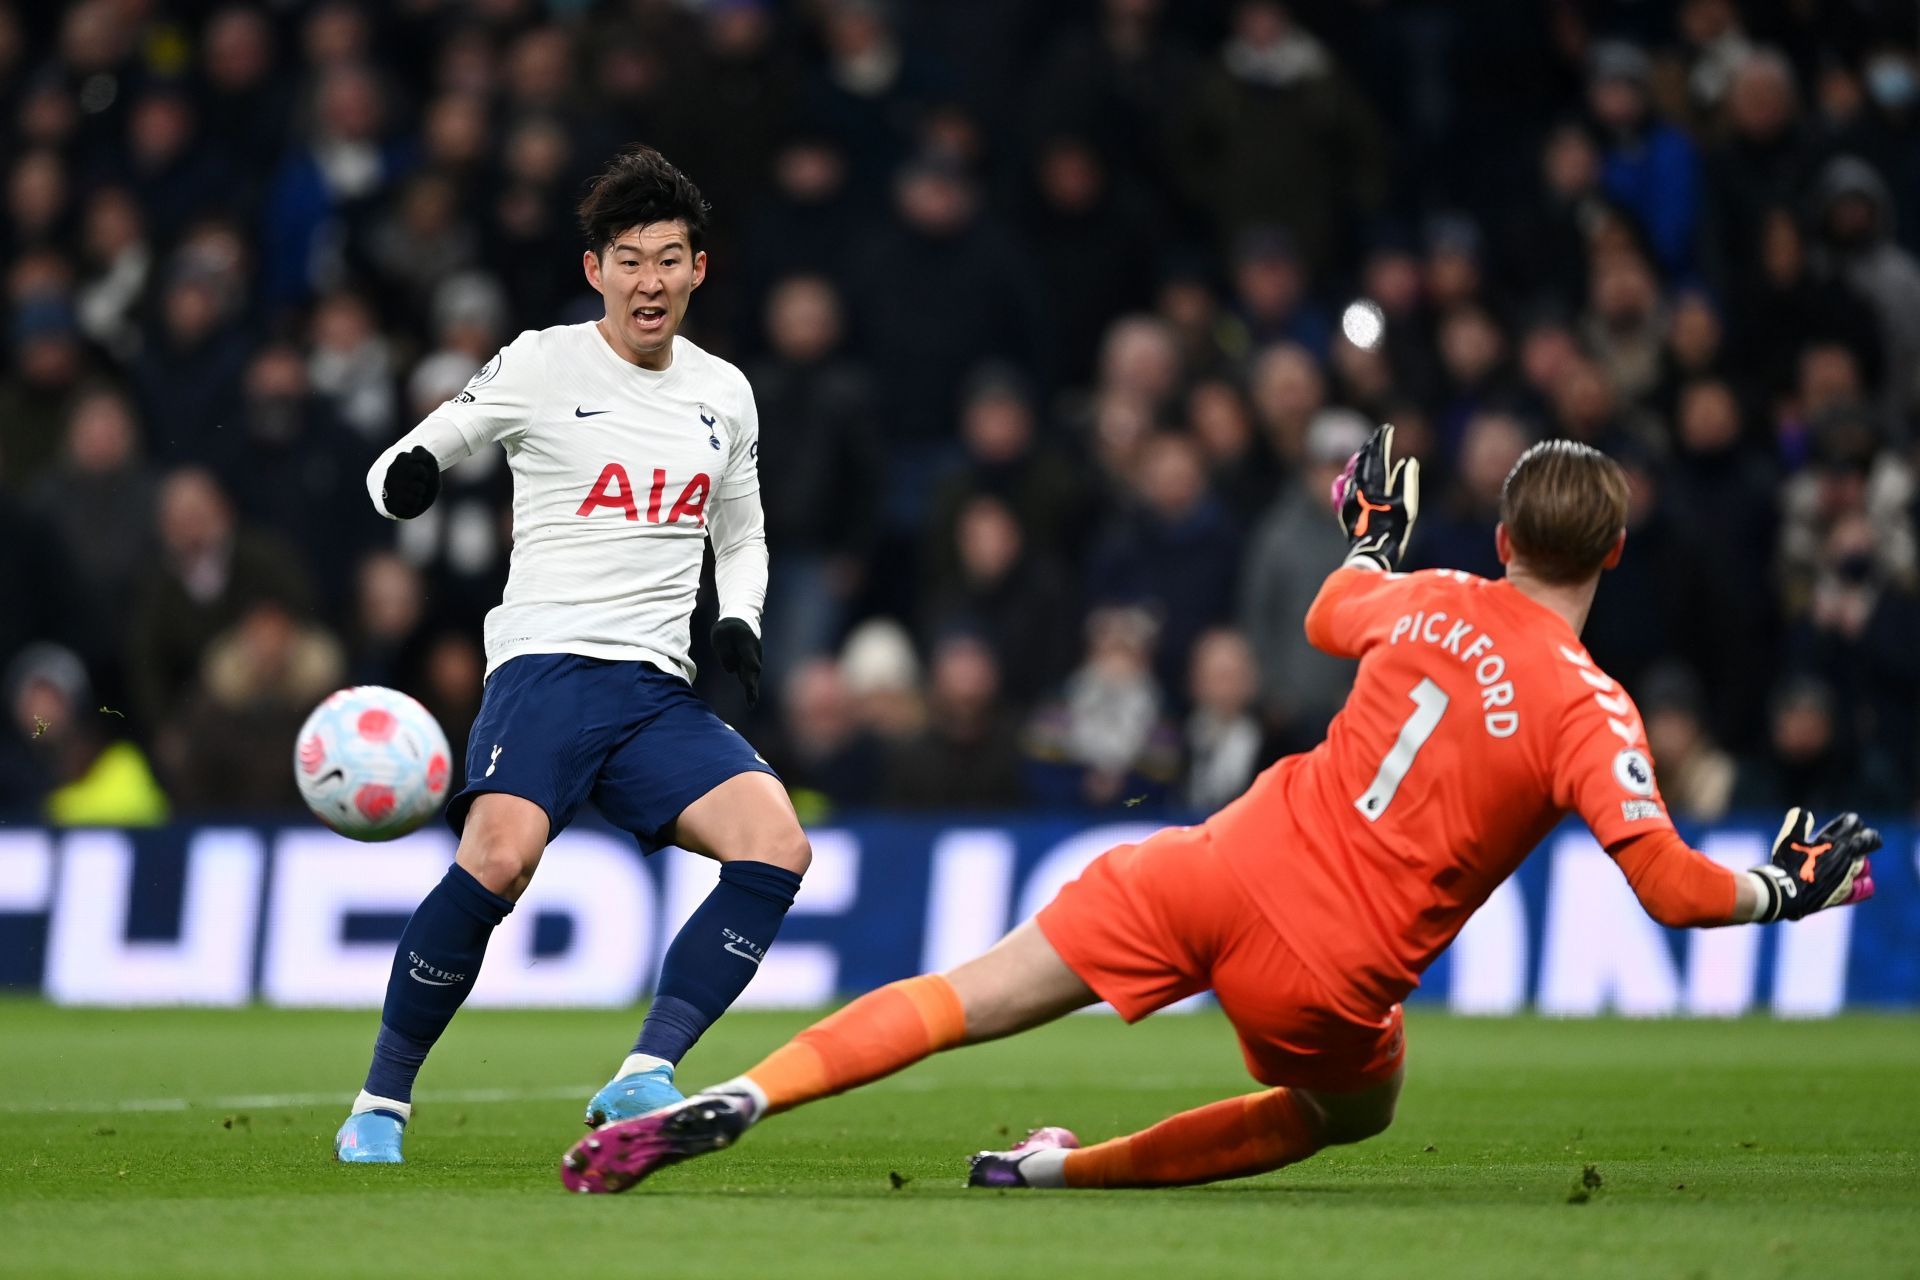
647,276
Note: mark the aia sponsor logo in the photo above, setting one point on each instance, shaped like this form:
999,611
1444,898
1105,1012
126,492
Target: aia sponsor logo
614,490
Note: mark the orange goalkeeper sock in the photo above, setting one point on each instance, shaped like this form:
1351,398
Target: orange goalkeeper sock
877,1035
1230,1139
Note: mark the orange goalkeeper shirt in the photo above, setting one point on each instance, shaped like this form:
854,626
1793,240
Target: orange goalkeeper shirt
1475,723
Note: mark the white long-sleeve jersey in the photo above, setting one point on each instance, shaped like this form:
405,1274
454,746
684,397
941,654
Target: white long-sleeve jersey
620,475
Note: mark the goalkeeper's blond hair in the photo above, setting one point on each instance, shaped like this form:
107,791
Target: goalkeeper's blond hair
1564,505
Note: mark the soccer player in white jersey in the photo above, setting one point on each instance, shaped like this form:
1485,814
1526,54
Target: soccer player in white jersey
630,448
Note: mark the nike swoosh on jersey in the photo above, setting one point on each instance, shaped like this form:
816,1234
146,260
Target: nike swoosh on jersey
578,412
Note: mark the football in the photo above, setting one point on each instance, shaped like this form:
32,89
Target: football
372,763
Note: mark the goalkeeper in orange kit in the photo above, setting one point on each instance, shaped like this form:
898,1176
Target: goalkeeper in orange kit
1311,905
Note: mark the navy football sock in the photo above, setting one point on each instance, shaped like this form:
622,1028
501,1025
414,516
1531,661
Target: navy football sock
715,955
433,969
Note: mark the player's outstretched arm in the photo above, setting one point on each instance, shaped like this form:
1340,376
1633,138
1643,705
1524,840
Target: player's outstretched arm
1377,499
1808,872
404,481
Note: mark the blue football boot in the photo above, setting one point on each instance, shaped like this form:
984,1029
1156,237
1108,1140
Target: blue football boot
633,1093
371,1137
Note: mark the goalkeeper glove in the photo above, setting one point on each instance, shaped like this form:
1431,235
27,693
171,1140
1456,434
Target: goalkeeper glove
412,483
1812,870
1376,499
739,651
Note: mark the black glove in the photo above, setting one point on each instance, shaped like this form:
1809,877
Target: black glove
1377,499
412,483
739,651
1812,870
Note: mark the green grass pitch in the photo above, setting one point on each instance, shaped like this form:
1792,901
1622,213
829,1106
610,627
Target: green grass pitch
176,1143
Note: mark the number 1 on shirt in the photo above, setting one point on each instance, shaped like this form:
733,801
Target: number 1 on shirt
1429,704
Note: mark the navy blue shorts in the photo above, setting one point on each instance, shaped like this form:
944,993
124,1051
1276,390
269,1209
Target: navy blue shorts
557,729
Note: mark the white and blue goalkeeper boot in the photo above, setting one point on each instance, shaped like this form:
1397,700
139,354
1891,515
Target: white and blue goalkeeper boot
643,1084
373,1131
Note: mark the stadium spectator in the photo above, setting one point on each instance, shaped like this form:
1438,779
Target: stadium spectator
257,683
1724,496
882,672
48,366
940,244
1805,752
1760,163
1787,309
1286,388
1648,166
1856,246
1696,777
1016,600
871,88
806,222
1175,552
352,366
1238,469
347,162
968,755
1544,252
295,468
825,445
1625,326
1272,300
1224,745
1007,455
1458,532
65,758
1106,737
1140,359
1300,687
385,640
1089,235
169,167
1857,635
828,761
118,263
1276,134
209,571
245,106
99,500
189,371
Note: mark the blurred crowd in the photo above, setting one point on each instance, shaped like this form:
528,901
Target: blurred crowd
1060,317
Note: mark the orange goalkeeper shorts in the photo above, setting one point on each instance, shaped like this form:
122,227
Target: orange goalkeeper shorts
1151,923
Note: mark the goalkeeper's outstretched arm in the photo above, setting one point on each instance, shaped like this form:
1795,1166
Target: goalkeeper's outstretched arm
1808,871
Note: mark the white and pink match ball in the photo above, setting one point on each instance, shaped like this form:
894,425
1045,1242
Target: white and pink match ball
372,763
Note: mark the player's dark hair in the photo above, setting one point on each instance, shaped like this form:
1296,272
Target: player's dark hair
640,187
1564,505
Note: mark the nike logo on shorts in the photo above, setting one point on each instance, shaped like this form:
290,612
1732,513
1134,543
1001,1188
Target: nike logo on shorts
578,412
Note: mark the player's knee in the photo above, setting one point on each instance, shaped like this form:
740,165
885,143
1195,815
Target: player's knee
782,845
790,849
498,860
1345,1119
